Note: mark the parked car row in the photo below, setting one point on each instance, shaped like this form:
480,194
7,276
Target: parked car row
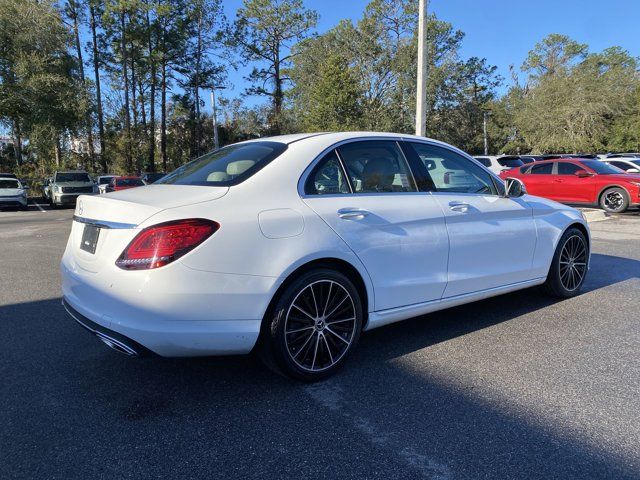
581,181
63,187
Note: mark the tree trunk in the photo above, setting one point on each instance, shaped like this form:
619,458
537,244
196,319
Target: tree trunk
73,10
96,72
163,114
277,93
17,141
125,77
151,161
198,130
58,151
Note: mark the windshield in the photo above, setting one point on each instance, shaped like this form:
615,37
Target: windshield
129,182
601,167
104,180
510,162
226,166
9,183
637,162
72,177
153,177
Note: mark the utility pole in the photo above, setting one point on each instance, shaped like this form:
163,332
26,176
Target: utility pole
484,127
216,143
421,93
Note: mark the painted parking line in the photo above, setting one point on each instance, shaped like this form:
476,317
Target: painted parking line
39,206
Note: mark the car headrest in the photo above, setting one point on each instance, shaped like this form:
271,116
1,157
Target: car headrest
239,167
378,175
217,177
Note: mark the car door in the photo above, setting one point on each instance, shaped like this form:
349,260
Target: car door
366,193
570,188
491,238
539,179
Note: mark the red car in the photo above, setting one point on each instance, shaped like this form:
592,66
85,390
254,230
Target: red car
124,182
578,181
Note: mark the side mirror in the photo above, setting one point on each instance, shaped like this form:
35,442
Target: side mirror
514,188
582,173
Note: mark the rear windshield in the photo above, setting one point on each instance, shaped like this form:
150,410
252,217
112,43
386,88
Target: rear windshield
485,161
9,183
72,177
510,162
153,177
601,167
129,182
227,166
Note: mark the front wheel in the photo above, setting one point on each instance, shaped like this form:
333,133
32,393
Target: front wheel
614,200
569,265
315,325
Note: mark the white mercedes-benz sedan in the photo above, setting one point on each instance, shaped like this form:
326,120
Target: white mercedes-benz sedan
294,245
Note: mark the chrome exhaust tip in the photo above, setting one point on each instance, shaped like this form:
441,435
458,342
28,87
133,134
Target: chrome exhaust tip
116,345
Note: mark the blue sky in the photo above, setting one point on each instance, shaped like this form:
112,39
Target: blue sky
501,31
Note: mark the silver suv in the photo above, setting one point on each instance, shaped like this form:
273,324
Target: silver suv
67,186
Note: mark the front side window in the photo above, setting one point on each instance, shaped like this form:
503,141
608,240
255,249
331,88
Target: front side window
541,169
451,172
227,166
376,166
565,168
327,178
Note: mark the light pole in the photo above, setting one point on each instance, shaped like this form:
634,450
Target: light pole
421,84
216,142
484,128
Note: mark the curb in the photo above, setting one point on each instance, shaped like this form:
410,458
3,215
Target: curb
594,215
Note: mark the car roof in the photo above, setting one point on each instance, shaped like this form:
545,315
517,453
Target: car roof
71,171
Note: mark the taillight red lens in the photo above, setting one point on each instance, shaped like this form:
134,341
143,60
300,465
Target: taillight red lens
161,244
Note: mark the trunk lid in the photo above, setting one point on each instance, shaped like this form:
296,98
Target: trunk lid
119,213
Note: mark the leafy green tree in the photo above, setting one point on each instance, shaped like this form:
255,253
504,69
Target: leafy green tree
553,55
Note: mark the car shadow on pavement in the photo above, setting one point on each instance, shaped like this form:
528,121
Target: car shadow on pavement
74,408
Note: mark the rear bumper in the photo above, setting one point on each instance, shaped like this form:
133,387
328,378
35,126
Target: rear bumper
172,312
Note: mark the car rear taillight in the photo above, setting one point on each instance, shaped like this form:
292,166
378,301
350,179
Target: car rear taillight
161,244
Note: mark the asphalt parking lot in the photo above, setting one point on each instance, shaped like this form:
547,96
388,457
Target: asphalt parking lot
518,386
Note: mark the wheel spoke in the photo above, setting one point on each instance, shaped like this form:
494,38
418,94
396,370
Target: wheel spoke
336,307
336,335
315,304
326,304
315,351
297,330
303,345
305,312
328,348
342,320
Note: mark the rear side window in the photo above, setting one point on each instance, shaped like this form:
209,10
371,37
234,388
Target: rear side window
541,169
484,161
327,177
376,166
621,165
227,166
565,168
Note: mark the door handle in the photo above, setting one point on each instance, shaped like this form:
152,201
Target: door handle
352,213
459,206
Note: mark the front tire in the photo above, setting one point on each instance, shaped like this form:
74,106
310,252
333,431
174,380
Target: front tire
614,200
569,265
314,326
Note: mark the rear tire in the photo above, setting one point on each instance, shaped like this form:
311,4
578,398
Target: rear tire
314,326
614,200
569,265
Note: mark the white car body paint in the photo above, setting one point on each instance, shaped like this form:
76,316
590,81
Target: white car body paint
413,254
